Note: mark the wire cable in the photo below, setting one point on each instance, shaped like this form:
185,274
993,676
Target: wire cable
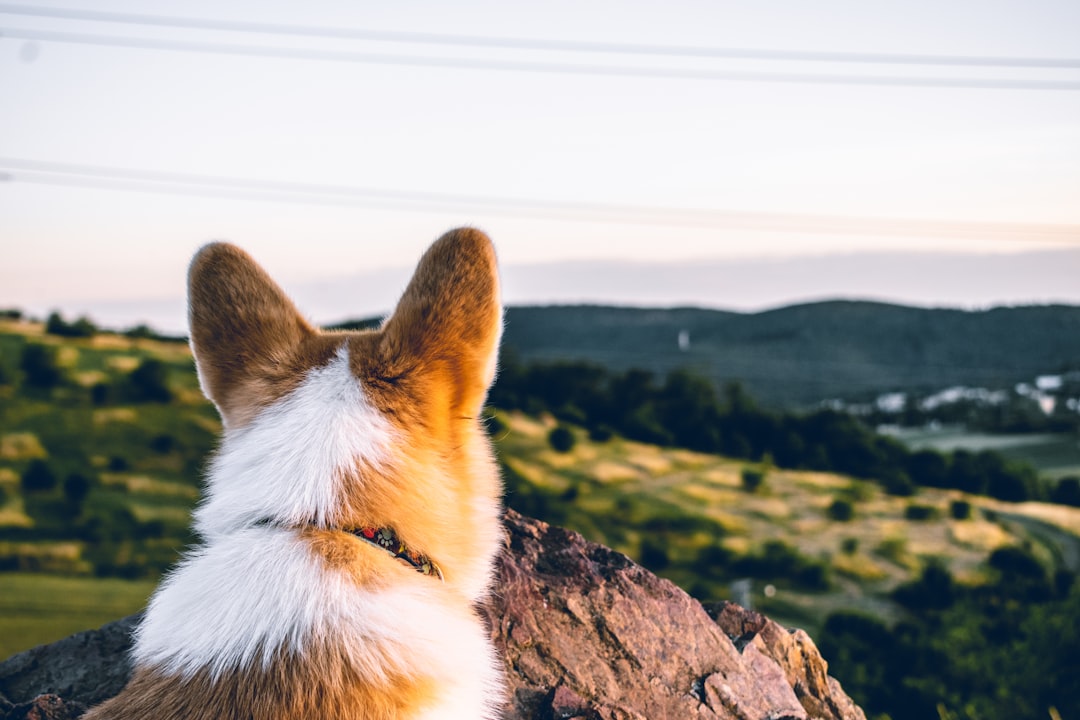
415,38
72,174
534,67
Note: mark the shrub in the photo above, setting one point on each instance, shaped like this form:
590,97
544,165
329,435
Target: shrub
752,479
849,546
899,484
561,439
858,491
1066,492
38,363
1010,484
893,549
118,464
100,393
163,444
654,555
920,513
76,488
1014,562
148,381
712,559
141,331
82,327
777,559
928,468
38,477
960,509
933,590
601,433
841,510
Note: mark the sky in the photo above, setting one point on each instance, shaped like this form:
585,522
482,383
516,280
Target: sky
335,140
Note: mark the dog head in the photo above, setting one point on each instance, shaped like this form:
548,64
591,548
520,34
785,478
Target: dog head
339,430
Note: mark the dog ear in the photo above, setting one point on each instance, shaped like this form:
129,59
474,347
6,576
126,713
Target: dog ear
243,328
447,325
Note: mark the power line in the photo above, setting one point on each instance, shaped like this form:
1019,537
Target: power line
419,38
534,67
126,179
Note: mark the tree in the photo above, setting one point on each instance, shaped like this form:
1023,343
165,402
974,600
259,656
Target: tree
100,392
928,468
82,327
55,324
960,509
1066,492
38,363
934,590
920,513
752,479
76,488
561,439
841,510
149,381
38,477
687,408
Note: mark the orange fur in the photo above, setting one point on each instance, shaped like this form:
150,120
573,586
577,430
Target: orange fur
319,685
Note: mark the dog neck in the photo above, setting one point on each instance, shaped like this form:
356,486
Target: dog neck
388,540
385,539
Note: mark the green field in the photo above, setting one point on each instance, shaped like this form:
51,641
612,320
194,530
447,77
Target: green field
1054,455
37,608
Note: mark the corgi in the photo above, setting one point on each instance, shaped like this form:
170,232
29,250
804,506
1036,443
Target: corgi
351,514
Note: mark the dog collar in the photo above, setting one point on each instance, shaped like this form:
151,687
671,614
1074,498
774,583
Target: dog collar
388,540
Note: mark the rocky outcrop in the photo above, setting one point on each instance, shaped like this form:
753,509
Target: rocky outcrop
586,634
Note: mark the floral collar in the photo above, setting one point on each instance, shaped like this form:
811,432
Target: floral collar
388,540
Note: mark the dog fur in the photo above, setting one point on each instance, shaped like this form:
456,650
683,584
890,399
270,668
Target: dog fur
282,612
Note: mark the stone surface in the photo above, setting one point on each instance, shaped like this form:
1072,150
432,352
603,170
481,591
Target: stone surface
87,667
586,635
43,707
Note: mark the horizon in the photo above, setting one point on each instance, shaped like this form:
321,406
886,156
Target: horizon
756,286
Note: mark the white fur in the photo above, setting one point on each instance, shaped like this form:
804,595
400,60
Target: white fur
286,465
254,588
233,603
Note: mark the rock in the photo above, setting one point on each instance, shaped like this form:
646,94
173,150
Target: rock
44,707
87,667
586,635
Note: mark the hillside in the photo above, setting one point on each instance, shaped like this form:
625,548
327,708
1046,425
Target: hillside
102,439
803,354
688,517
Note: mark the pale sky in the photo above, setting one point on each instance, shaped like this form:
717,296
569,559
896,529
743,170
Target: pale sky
639,163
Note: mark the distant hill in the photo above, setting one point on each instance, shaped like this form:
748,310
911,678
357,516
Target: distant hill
799,355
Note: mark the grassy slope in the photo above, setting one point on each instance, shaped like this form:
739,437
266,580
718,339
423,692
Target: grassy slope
114,443
37,609
620,489
618,493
